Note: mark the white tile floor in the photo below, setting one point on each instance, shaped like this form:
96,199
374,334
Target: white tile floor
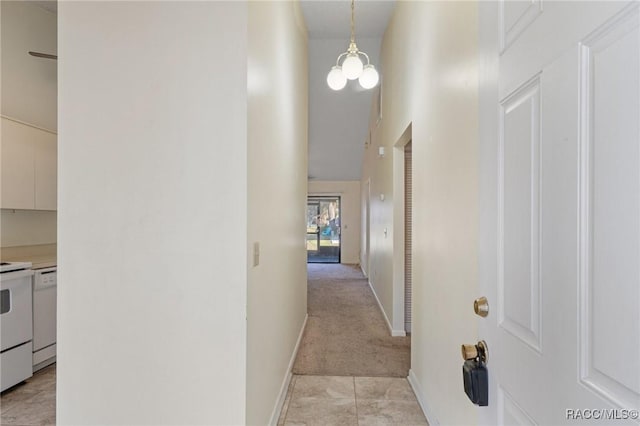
341,400
311,400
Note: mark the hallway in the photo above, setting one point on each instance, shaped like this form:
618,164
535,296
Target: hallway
346,334
349,370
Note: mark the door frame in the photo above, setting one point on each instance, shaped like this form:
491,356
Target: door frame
329,196
317,233
399,233
366,229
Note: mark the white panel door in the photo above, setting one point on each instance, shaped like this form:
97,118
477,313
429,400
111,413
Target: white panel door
560,211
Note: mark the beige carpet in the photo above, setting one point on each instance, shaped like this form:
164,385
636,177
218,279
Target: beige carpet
346,334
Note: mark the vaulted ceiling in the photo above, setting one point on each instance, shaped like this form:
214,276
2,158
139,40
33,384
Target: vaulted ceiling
338,121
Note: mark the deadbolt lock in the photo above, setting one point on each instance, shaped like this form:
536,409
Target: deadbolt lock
481,306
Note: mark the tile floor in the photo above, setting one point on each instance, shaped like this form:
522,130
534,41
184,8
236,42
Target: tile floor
340,400
311,400
32,403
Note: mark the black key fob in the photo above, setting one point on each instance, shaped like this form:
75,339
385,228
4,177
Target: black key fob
476,382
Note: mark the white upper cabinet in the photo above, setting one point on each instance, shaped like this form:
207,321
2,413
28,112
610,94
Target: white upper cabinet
46,172
18,177
29,170
29,107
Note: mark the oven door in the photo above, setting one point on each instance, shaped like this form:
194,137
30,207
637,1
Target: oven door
16,321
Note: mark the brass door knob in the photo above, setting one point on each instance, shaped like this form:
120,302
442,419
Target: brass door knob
481,306
469,352
479,350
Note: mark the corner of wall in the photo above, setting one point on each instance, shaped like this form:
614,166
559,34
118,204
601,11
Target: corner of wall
284,388
417,389
277,189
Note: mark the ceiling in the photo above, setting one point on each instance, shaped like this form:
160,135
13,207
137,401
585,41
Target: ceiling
331,19
339,121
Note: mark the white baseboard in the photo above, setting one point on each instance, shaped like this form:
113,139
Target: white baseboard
275,414
394,333
363,271
417,389
398,333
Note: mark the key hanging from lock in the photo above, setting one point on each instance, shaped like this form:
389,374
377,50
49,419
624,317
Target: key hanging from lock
474,373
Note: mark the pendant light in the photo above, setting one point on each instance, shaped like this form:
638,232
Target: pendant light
352,66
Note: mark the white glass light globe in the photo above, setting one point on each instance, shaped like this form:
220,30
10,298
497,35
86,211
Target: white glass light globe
352,66
369,77
336,79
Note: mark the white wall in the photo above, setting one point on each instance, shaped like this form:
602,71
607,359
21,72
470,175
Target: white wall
336,144
29,84
152,213
349,191
29,94
429,56
27,227
277,165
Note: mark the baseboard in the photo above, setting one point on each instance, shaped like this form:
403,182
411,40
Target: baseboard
417,389
363,271
398,333
394,333
275,414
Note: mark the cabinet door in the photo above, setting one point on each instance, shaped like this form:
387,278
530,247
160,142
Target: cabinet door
46,172
18,177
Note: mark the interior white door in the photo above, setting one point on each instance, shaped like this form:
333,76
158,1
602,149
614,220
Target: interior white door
560,210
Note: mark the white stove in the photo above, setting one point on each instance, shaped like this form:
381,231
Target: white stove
14,266
16,323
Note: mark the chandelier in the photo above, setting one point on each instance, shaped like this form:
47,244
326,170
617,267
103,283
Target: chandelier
352,67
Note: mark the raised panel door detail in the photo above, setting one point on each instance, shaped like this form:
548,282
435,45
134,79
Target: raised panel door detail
519,215
515,17
510,412
610,210
18,179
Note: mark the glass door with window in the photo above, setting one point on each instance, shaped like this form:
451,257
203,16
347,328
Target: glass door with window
323,230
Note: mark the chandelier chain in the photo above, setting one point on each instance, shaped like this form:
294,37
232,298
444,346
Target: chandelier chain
353,25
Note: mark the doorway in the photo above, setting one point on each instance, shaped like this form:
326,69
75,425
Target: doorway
407,237
323,230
